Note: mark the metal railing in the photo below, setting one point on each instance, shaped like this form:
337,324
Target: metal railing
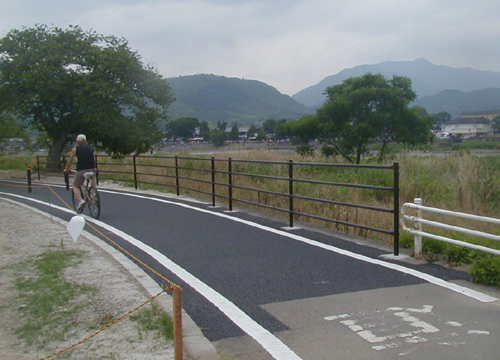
418,221
278,186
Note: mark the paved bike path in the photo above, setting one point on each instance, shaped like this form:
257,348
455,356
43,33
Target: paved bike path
320,303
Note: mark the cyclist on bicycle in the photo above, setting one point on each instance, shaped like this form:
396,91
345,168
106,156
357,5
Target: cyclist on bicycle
85,155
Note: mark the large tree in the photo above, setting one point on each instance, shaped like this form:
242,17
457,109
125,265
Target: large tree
184,128
362,110
66,82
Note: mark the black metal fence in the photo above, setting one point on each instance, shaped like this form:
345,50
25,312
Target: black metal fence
343,195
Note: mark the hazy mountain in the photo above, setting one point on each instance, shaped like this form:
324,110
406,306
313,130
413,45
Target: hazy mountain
456,102
217,98
427,79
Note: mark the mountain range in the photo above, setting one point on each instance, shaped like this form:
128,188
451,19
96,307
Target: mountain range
427,79
439,88
214,98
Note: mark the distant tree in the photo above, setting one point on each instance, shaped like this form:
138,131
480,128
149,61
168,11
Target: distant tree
218,137
65,82
278,131
269,126
261,135
234,133
222,125
183,128
252,130
204,130
421,110
496,124
362,110
441,118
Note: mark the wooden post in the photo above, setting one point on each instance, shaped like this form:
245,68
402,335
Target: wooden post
178,345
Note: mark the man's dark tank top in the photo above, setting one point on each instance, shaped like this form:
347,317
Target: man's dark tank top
85,155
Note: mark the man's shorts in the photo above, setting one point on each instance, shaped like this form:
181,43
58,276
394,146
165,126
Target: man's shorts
79,179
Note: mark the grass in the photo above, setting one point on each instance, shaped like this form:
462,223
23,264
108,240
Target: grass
49,305
153,318
49,309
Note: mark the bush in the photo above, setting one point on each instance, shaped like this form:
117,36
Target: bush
406,240
486,270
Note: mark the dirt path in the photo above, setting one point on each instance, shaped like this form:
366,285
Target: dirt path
25,234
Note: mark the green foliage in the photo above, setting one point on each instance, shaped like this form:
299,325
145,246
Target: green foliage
361,110
218,137
406,240
305,150
440,118
49,298
66,82
496,124
204,130
18,162
153,318
486,270
234,133
269,126
183,128
328,151
10,127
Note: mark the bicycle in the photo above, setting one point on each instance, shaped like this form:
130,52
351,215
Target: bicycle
90,195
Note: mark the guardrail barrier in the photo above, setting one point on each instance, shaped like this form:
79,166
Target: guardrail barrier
418,220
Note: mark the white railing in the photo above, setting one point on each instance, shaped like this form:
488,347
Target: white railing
418,221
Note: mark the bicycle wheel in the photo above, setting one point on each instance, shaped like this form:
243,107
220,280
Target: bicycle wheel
73,199
94,203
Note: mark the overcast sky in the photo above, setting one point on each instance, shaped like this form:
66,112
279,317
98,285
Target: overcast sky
288,44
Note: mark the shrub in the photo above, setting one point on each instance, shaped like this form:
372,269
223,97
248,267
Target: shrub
486,270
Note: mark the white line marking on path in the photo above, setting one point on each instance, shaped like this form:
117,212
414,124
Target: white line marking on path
429,278
266,339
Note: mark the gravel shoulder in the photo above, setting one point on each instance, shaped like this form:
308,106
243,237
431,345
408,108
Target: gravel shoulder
25,234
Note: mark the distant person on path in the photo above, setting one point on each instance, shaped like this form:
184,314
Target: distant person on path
85,155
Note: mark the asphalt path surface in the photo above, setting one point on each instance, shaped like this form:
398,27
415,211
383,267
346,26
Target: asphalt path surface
244,260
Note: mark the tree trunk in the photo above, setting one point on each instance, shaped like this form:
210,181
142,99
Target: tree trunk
54,161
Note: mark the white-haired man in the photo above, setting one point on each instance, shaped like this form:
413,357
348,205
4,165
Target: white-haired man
86,163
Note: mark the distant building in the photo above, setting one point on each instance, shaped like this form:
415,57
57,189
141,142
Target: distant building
490,115
469,126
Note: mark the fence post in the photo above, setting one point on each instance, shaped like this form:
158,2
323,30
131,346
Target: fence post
135,172
177,175
66,180
96,170
28,175
178,344
38,166
396,209
213,181
290,192
418,227
230,182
